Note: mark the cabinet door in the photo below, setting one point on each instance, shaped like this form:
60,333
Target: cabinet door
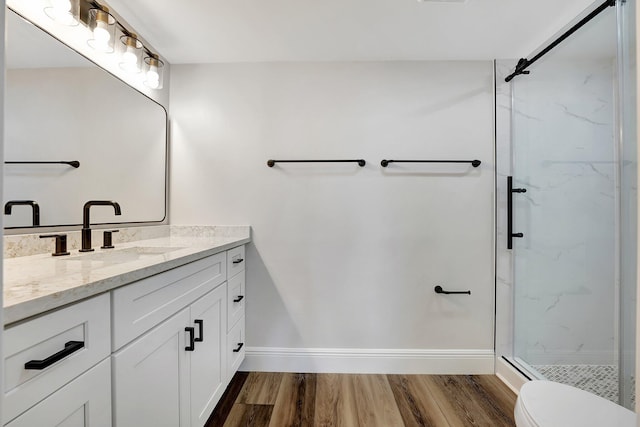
150,377
84,402
208,363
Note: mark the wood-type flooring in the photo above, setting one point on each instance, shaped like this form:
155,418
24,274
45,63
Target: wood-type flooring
266,399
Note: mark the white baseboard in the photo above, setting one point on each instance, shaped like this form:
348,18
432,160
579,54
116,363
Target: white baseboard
509,375
368,361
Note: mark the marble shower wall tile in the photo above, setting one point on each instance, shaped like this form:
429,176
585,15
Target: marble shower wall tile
565,267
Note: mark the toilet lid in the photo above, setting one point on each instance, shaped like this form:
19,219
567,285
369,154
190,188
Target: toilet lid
550,404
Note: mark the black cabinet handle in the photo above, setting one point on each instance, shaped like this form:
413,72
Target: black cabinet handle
238,261
69,348
439,290
200,324
192,338
240,345
240,298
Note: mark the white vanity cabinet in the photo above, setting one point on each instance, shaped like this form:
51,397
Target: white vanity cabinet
156,352
57,370
173,370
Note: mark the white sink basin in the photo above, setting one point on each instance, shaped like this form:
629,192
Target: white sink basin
117,256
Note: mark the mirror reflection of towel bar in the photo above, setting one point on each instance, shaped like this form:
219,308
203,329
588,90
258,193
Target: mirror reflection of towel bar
72,163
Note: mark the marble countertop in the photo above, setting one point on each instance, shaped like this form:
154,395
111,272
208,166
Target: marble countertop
39,283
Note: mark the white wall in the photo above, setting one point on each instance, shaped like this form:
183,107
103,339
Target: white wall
346,257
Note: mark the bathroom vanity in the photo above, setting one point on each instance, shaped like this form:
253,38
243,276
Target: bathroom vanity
148,333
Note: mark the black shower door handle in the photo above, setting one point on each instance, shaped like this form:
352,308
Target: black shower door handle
510,191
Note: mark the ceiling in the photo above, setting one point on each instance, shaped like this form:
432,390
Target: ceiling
204,31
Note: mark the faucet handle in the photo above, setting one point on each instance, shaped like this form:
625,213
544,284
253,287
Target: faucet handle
61,243
107,241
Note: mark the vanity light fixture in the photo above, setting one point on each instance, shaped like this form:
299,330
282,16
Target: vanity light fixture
153,70
131,53
65,12
103,29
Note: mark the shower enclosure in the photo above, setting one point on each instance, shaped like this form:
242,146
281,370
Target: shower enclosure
573,209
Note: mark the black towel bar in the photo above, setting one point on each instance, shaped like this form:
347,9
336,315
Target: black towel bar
439,290
475,163
360,162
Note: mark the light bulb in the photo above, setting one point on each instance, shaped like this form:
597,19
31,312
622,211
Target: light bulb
153,74
130,60
101,33
129,56
153,78
61,5
61,11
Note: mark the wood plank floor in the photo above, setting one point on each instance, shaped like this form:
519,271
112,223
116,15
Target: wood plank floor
266,399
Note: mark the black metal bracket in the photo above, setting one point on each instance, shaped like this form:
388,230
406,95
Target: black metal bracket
510,191
475,163
525,63
438,289
360,162
72,163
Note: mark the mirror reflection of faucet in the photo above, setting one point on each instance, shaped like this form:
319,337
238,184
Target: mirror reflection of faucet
35,214
86,230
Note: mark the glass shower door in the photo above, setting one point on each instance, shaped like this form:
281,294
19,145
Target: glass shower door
567,264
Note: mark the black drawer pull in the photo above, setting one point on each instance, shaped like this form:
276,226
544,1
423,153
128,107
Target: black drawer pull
69,348
240,345
238,261
200,324
240,298
192,338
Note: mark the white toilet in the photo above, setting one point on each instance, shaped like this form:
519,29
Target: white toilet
550,404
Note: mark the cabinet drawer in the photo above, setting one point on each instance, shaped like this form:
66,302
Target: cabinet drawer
235,299
144,304
85,401
235,261
235,348
42,337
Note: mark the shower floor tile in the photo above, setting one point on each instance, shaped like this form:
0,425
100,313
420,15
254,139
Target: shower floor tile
601,380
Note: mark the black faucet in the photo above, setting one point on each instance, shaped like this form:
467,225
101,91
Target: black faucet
86,231
34,206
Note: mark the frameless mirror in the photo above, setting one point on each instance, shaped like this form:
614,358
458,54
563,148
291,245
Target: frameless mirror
59,106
